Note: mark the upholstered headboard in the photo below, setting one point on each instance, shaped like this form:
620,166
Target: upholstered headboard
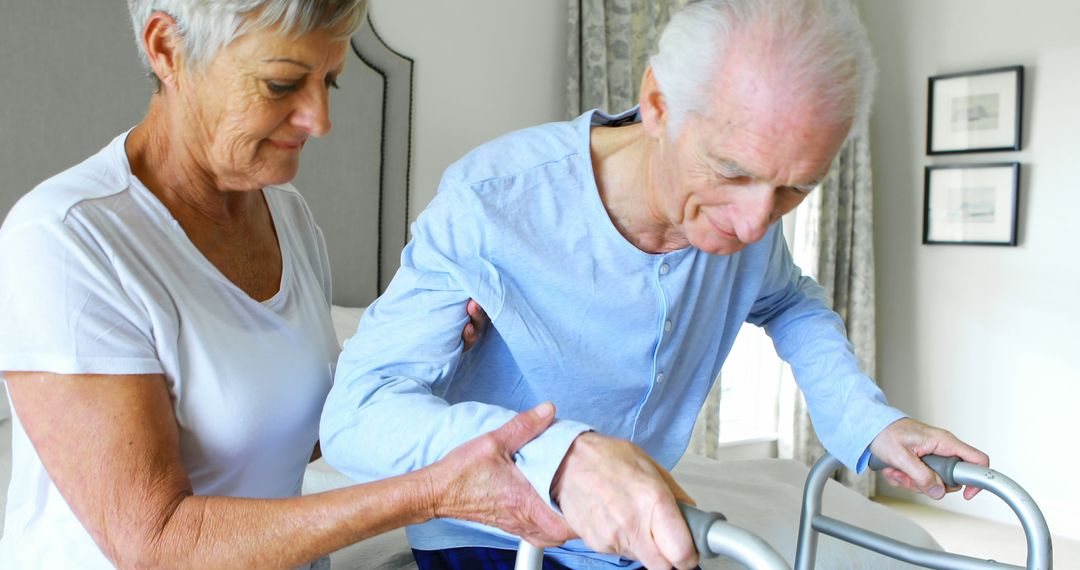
356,179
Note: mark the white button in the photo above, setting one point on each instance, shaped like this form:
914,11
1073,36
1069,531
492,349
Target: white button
660,378
667,326
664,269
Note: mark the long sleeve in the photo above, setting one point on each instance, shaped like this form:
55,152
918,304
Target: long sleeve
385,414
848,410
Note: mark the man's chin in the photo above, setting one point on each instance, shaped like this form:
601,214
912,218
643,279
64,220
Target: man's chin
724,247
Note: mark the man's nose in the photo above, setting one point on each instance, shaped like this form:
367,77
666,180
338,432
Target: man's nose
757,211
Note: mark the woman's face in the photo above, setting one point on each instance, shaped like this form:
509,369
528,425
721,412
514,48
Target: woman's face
247,114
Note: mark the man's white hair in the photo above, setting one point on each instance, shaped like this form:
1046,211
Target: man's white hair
206,26
820,45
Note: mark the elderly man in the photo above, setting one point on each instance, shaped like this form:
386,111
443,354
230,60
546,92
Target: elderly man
618,257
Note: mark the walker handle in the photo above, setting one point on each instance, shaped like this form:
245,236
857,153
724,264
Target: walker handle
699,523
943,466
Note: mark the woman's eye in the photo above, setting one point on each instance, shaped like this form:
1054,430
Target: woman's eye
280,88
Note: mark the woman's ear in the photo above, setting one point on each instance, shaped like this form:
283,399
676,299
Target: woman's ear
652,105
161,41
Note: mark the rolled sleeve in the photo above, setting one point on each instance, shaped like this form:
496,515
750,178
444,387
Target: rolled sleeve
541,458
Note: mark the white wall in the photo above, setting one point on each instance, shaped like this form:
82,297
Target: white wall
984,340
483,68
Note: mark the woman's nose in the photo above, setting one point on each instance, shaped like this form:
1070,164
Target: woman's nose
313,113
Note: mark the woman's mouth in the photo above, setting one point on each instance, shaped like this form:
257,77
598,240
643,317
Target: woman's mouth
286,145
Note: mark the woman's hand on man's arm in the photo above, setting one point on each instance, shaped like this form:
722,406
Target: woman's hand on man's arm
111,445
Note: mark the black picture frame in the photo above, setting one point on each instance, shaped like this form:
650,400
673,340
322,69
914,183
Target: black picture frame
982,111
971,204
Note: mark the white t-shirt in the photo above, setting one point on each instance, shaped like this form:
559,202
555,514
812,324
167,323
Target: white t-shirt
97,277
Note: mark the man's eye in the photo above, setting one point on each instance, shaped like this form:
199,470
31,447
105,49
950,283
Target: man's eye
332,82
279,88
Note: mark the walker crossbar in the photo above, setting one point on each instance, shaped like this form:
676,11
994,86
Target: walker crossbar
1040,550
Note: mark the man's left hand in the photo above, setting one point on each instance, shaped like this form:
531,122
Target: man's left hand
905,441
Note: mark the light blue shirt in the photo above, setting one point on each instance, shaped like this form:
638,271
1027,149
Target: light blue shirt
624,342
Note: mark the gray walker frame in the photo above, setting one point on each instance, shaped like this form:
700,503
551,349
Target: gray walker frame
714,536
953,472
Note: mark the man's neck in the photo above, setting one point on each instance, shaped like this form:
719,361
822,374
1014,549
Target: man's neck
629,177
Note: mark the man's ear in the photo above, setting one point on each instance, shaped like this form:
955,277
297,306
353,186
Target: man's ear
653,106
161,41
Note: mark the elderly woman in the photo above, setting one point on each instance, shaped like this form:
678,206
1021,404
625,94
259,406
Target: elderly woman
166,335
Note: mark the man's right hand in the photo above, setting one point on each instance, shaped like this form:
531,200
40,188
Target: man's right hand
620,501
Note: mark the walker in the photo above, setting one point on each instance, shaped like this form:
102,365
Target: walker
715,536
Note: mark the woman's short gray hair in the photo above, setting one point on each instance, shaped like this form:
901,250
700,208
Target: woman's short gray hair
206,26
823,42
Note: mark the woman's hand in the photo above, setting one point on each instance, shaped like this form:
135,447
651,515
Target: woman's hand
478,481
474,329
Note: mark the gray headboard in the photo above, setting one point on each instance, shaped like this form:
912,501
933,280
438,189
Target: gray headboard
356,179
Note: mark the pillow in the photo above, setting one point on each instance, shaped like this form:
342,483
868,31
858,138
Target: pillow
345,320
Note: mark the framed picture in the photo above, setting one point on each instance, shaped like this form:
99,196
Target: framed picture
976,111
971,204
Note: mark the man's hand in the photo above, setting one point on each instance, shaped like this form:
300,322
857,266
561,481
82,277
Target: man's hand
620,501
905,441
474,329
478,481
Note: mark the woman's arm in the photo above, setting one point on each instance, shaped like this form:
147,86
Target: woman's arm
111,445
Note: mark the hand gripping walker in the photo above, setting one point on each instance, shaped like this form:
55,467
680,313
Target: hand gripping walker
953,472
714,536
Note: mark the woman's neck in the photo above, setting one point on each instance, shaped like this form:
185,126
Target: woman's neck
170,166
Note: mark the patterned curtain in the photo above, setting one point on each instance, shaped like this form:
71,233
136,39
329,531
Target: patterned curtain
608,49
834,244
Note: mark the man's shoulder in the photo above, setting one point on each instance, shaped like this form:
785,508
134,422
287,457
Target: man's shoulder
518,153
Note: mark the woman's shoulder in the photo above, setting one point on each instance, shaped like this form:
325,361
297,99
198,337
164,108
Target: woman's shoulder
50,202
287,203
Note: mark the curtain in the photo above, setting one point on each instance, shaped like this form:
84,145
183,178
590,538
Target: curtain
608,49
834,244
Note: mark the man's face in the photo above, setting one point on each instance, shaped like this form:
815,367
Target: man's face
751,159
